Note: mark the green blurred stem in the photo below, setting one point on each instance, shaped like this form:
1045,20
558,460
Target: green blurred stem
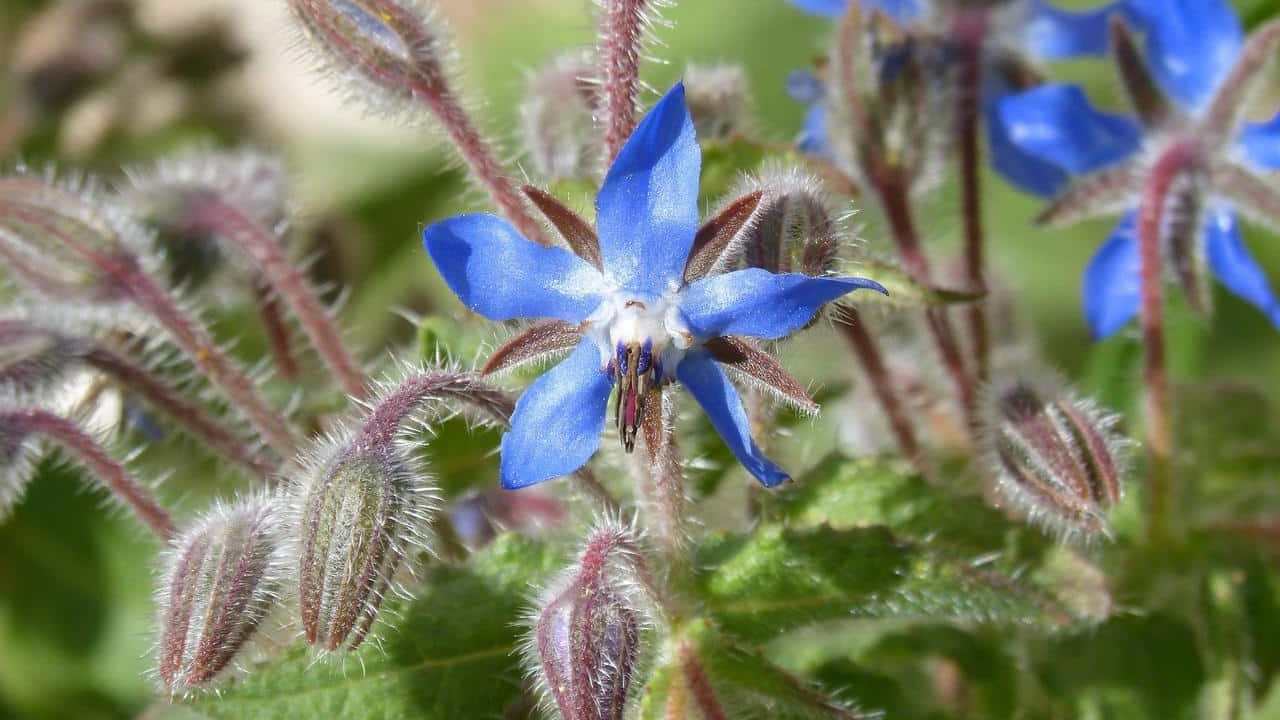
1168,167
971,30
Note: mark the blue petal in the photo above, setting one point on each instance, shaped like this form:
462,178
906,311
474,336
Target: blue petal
498,273
805,87
1234,266
1259,144
1112,282
813,138
704,379
758,303
558,421
647,209
1022,169
1056,123
1053,34
902,11
1191,45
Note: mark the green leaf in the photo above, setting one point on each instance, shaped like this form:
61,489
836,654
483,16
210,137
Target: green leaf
774,579
724,162
849,493
451,655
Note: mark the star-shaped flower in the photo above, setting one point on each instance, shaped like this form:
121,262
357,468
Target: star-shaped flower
1008,32
636,302
1189,94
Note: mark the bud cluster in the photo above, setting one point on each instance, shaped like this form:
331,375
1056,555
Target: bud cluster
557,118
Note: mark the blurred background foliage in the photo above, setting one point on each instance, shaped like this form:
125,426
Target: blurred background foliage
75,583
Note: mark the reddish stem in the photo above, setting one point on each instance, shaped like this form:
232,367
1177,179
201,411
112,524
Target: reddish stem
266,251
893,196
665,473
620,36
275,329
1170,165
700,686
199,346
970,30
191,416
113,476
868,353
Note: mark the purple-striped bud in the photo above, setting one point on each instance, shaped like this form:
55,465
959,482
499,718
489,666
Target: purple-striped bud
221,580
718,100
557,119
387,52
358,514
796,228
34,358
586,632
67,244
1056,457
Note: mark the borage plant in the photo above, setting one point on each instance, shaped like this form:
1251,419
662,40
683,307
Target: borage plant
363,535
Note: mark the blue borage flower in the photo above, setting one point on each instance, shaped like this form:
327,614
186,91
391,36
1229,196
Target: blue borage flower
1189,88
1017,29
637,318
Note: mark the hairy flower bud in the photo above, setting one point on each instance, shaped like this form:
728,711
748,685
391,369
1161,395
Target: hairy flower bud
797,226
221,579
718,99
586,633
33,358
557,125
66,244
888,104
1056,457
358,517
390,48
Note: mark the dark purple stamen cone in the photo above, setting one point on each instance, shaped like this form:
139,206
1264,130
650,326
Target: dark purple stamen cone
1056,457
587,638
221,580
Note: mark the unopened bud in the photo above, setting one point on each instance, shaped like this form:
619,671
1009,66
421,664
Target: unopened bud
557,125
797,226
17,463
1056,457
221,580
67,243
392,48
718,100
172,196
586,634
888,107
358,515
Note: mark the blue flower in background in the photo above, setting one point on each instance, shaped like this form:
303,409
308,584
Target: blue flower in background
1188,87
637,322
1020,28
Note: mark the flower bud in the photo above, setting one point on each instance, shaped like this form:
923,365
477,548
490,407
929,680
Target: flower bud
66,243
390,48
888,104
357,517
586,634
1056,457
557,125
221,579
718,100
796,228
17,463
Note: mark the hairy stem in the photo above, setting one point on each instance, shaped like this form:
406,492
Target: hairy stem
193,418
971,30
110,473
198,345
704,696
620,37
866,349
1159,435
275,329
266,251
665,474
893,197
